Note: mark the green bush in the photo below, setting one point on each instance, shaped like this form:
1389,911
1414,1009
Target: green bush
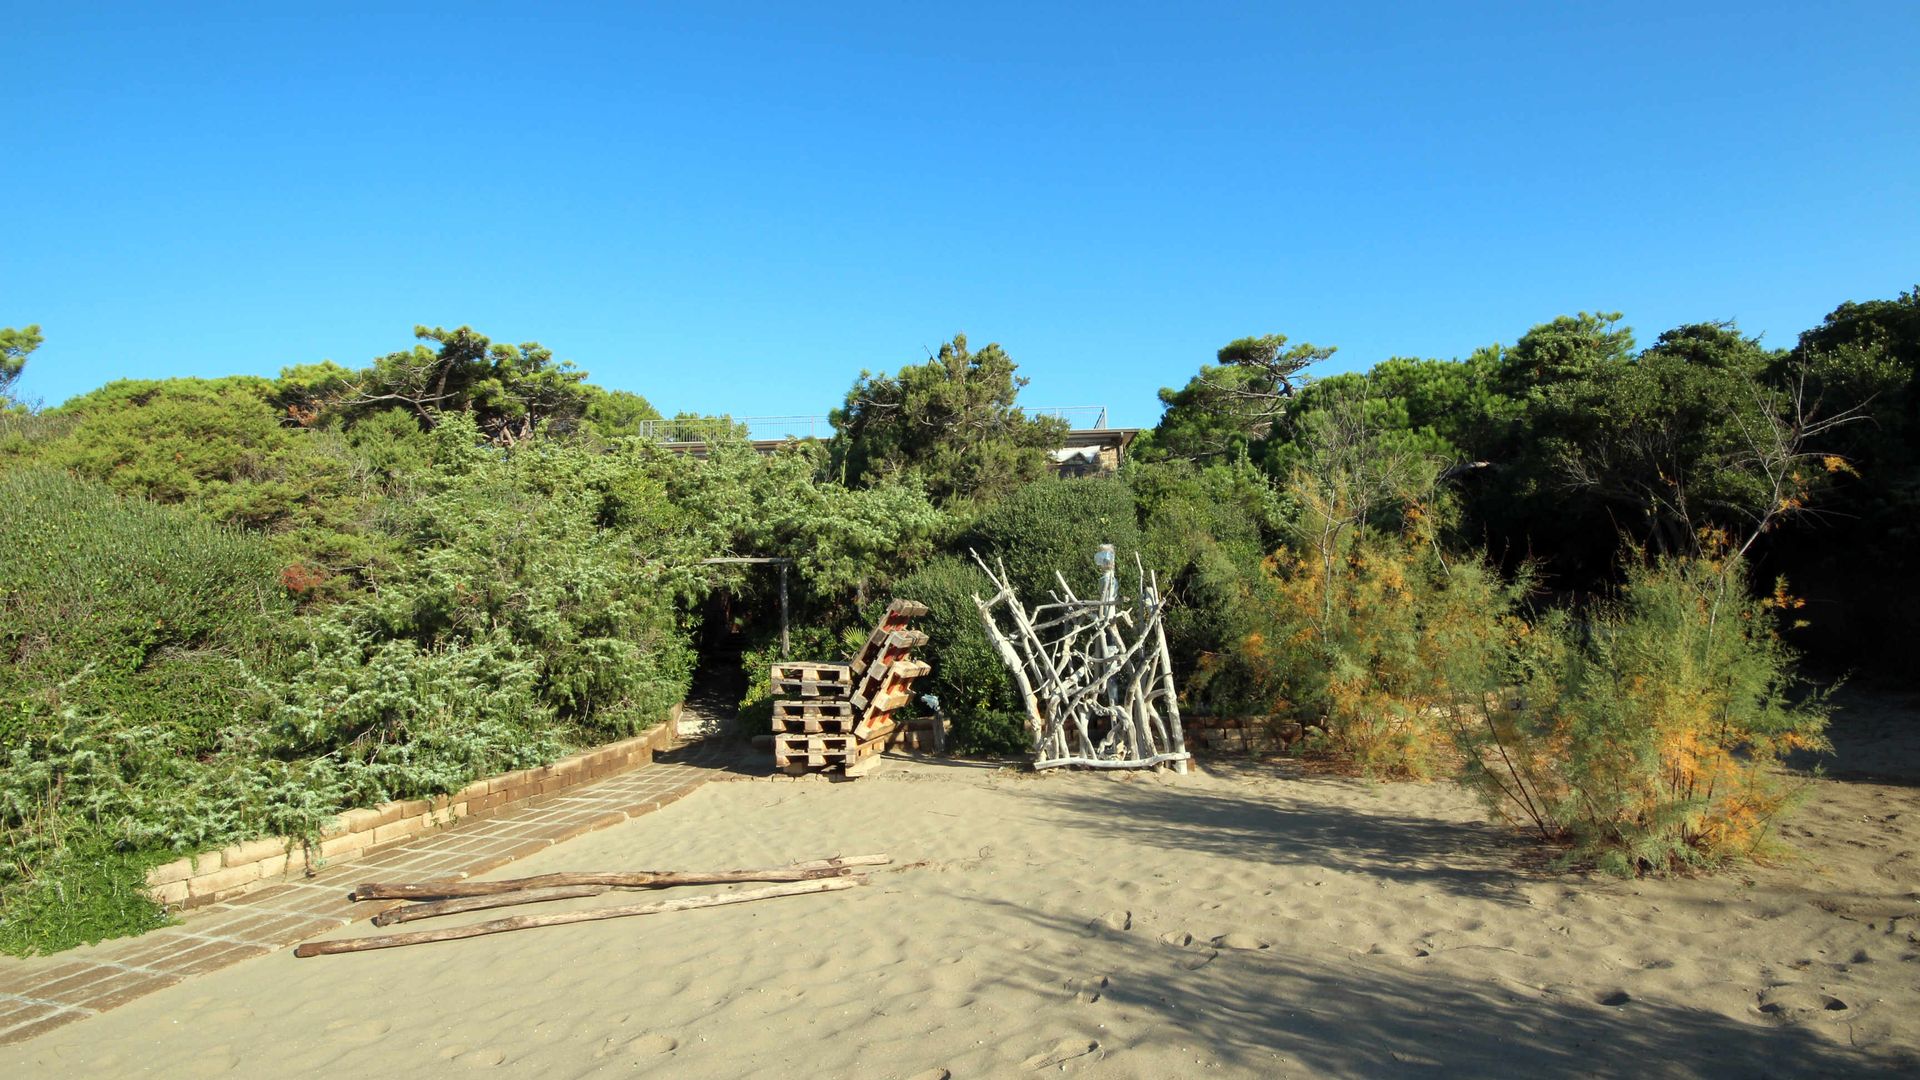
136,637
975,691
1654,745
1053,526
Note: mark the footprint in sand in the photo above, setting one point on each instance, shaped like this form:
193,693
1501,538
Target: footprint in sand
1062,1052
1613,999
932,1074
1245,942
1790,1003
450,1051
485,1058
1088,990
1179,939
1195,963
947,999
1116,921
357,1031
653,1043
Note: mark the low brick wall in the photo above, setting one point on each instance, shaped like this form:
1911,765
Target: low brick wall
212,876
1239,734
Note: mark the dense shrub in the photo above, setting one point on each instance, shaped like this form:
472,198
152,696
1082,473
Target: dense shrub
1205,532
973,686
1055,526
134,637
219,445
106,603
1655,746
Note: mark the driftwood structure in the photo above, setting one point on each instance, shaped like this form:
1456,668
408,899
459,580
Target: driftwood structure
1094,673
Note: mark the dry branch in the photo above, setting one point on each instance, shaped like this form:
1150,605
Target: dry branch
432,908
529,922
637,879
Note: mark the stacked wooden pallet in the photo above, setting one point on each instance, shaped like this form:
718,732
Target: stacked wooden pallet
838,716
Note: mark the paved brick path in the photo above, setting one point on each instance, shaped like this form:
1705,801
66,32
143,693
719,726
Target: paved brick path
40,994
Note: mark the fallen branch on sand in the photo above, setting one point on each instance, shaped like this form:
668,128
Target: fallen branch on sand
453,906
528,922
637,879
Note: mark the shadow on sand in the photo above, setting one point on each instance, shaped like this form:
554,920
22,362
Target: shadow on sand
1466,858
1275,1013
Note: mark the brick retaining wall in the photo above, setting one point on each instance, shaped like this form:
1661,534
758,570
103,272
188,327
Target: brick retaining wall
213,876
1239,734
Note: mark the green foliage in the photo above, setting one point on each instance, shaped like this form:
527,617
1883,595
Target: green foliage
1206,531
218,444
952,422
123,605
1229,406
1656,746
848,545
616,413
15,346
973,686
1054,526
133,635
162,697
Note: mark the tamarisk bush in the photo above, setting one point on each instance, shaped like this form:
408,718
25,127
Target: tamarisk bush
1650,738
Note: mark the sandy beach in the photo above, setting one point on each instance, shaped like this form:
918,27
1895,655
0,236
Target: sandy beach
1247,920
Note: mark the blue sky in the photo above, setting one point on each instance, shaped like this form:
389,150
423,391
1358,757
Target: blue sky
731,207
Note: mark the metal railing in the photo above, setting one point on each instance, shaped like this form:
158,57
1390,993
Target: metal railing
764,428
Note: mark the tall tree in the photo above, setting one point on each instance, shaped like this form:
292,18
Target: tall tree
509,389
951,421
15,347
1233,403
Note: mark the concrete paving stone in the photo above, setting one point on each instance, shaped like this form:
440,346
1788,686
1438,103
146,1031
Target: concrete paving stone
152,947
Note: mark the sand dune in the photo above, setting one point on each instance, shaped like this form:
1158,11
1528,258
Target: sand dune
1243,922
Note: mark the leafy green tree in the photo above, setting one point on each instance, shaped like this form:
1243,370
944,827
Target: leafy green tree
509,389
15,346
614,413
1232,404
952,422
1860,560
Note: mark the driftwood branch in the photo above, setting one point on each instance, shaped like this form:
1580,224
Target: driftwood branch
433,908
529,922
636,879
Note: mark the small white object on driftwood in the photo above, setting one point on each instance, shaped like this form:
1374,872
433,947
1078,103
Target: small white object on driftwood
1094,675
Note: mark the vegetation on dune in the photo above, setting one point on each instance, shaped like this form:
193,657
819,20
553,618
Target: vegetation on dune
231,607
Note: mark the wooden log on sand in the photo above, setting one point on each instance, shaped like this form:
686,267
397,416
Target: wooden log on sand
529,922
637,879
432,908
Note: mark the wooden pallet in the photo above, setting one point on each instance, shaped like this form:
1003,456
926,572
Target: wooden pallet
787,708
818,724
808,680
893,621
832,717
827,751
881,682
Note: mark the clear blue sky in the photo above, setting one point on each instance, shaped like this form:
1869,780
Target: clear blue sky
736,207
